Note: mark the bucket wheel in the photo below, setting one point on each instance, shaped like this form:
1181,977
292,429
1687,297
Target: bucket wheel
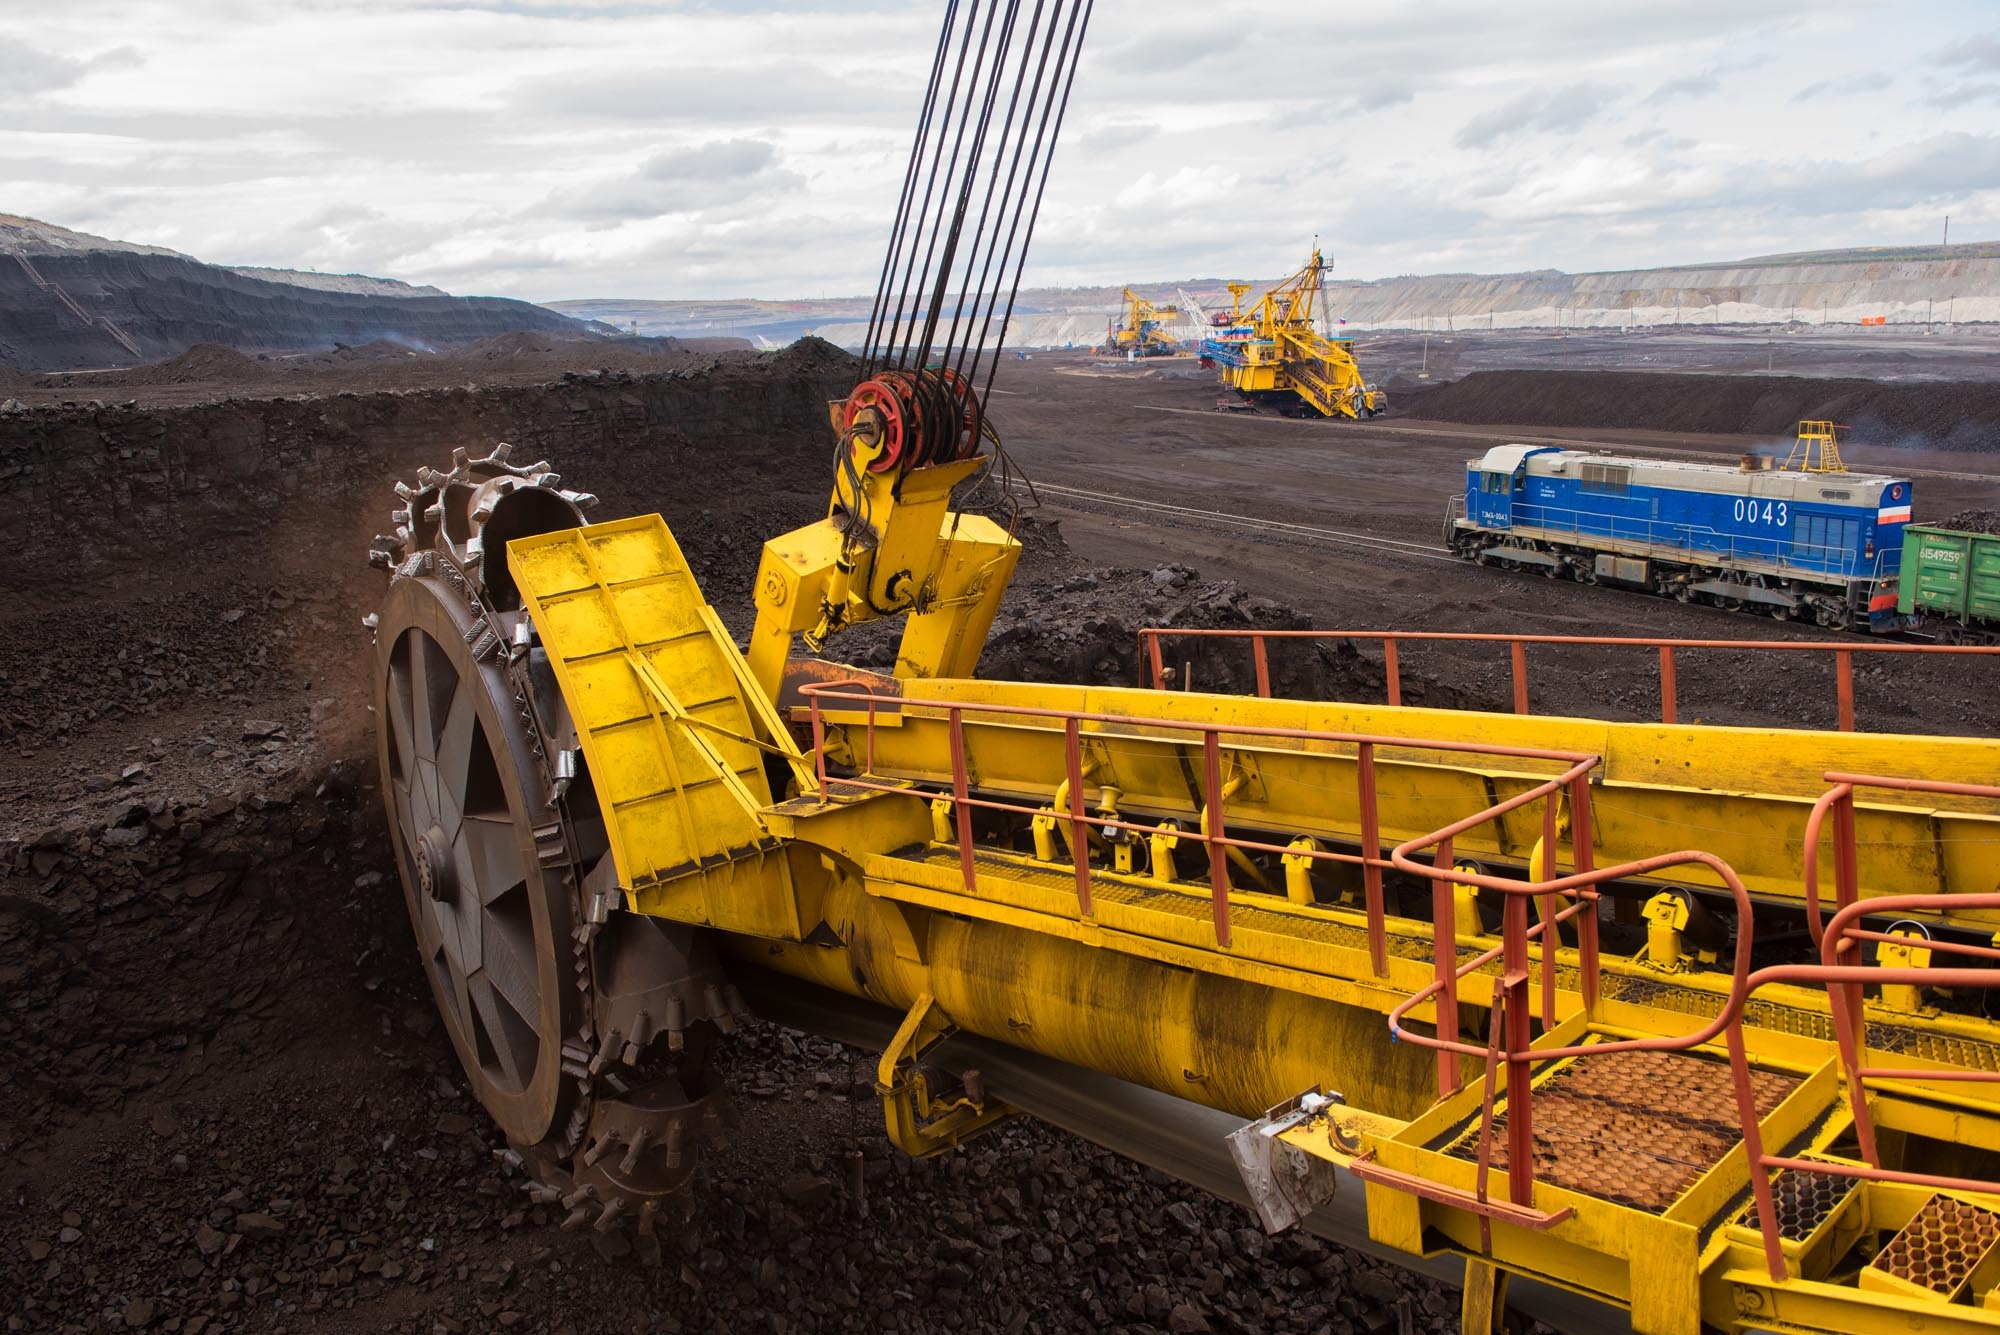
584,1031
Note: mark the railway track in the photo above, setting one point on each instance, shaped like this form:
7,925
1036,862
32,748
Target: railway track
1503,434
1082,497
1249,523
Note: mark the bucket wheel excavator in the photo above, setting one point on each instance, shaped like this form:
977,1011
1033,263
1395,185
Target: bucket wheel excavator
1141,329
552,1006
1272,353
1666,1022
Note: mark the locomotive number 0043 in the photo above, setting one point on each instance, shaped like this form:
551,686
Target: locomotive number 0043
1775,514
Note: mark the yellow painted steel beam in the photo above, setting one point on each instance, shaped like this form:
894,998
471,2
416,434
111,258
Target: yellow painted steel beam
677,771
867,893
1743,794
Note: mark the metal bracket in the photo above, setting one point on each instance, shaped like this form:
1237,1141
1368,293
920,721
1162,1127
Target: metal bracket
919,1124
1285,1183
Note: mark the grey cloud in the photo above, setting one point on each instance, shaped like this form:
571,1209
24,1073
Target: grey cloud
1556,111
1116,135
1976,53
1333,110
787,90
1693,85
1813,90
1380,96
1165,48
25,71
1659,138
696,179
1964,93
1941,166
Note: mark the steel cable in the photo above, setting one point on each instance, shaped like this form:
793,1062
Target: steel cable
964,318
1081,22
971,191
944,176
881,304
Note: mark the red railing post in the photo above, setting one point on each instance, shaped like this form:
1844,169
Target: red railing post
1846,860
1518,652
1079,837
961,794
1371,856
1263,663
1444,937
1583,861
1159,666
1218,857
1843,687
1850,1019
1546,908
1520,1040
1392,669
1753,1151
1670,704
819,743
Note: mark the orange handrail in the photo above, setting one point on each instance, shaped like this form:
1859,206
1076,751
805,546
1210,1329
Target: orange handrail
1844,982
1151,657
856,695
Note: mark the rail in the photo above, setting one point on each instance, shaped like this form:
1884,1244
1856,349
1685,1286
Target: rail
1513,1016
1511,1027
1152,656
1844,982
1212,834
1781,555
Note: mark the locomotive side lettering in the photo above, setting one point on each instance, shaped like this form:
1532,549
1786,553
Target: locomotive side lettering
1775,513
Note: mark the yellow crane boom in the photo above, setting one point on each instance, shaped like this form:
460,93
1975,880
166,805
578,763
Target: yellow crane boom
1141,329
1272,351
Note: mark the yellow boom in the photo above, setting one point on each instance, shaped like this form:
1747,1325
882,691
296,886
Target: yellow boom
1273,350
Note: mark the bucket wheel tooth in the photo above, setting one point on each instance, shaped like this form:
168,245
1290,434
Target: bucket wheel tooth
494,833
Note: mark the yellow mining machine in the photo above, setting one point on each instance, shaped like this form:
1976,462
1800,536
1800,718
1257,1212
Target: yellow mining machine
1817,448
1141,330
1272,352
1684,1025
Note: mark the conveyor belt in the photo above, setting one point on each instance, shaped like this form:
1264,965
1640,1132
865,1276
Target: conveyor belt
1184,1140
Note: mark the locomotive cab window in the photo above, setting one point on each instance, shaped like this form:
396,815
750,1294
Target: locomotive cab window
1493,483
1605,479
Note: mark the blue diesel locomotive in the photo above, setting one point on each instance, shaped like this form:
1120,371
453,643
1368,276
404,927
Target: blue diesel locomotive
1819,546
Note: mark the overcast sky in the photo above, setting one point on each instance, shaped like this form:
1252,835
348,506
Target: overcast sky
621,148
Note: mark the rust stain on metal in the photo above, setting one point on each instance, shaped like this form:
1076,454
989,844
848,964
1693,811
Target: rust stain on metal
1939,1247
1635,1128
1804,1200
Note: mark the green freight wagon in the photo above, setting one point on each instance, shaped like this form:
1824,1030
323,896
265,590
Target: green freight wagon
1954,578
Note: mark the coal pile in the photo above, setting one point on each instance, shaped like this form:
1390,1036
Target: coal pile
226,1102
230,1107
1973,521
1953,416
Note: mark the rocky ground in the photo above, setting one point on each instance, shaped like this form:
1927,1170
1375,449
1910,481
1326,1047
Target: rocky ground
225,1100
1957,415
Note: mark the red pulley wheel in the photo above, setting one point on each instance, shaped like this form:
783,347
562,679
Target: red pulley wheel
888,407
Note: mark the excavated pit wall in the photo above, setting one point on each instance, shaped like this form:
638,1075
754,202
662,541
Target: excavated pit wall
184,725
223,1098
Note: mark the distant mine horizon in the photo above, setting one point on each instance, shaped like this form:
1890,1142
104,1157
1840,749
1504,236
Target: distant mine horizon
71,299
1876,253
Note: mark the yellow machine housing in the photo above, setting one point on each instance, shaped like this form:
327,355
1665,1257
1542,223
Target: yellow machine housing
1274,349
1141,329
1231,900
